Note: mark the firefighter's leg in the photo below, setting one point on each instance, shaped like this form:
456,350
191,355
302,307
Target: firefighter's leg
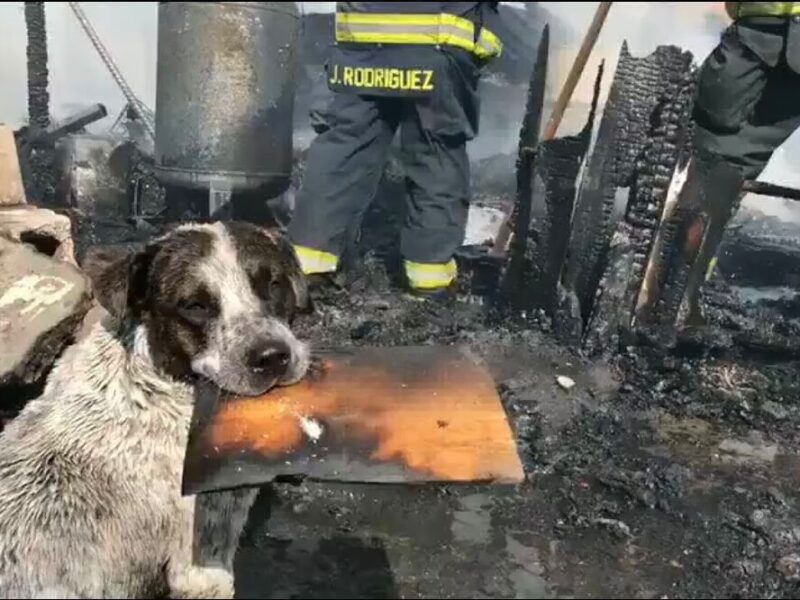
773,117
437,177
739,118
434,135
342,174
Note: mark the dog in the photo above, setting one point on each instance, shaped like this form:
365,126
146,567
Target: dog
90,472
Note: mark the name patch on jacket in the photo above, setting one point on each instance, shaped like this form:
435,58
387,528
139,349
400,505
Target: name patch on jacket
384,71
381,78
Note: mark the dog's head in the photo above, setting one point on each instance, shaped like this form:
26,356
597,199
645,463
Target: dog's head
216,301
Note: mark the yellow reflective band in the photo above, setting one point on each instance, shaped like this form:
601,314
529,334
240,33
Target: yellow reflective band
488,44
416,29
768,9
430,276
316,261
711,266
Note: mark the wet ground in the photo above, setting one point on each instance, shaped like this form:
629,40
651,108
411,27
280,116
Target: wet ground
654,477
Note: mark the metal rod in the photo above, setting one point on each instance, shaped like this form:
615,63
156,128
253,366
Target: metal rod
137,105
576,71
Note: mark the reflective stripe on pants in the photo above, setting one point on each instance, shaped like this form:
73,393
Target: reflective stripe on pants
316,261
767,9
426,276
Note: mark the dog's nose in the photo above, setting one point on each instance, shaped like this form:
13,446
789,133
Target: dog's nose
270,359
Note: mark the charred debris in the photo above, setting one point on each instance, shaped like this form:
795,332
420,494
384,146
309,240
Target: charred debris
586,210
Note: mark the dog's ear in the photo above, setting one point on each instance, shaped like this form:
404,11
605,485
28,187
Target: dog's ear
297,279
119,277
302,299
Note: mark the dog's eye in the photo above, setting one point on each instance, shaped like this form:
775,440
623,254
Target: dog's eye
195,311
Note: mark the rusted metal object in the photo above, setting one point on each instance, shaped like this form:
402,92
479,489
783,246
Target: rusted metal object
376,415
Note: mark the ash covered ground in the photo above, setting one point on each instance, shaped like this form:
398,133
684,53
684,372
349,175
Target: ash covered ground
655,476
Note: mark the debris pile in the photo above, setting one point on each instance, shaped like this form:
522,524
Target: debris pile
43,295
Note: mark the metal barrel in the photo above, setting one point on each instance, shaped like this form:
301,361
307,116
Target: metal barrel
225,94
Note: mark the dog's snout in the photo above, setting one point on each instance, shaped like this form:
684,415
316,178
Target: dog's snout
271,359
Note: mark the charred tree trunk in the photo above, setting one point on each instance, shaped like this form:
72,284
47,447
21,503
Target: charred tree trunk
40,156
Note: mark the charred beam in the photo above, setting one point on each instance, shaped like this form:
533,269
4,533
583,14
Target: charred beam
528,140
654,101
72,124
762,188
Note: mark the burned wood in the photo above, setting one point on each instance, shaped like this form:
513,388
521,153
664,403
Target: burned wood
528,140
38,96
539,263
560,166
37,160
762,188
655,100
590,225
668,141
380,415
761,252
72,124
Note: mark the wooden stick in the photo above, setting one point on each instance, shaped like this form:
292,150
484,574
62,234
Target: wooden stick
577,70
762,188
505,233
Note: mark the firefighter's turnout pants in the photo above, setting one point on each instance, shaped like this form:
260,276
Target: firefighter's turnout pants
748,98
411,67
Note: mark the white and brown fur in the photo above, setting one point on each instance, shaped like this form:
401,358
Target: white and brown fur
90,472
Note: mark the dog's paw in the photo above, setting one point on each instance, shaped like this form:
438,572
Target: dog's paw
202,582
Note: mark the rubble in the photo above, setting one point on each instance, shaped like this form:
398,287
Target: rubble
50,233
565,382
12,191
42,303
789,567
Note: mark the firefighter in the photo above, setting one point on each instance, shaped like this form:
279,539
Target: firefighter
412,67
747,104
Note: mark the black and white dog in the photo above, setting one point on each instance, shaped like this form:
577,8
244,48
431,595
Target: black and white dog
90,472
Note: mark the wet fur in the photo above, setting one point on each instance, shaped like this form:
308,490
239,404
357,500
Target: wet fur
90,472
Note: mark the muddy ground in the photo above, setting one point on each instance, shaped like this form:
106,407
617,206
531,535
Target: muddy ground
655,476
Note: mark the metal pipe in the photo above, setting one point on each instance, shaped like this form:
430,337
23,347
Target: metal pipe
73,123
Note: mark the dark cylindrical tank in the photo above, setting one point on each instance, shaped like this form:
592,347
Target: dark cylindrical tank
225,93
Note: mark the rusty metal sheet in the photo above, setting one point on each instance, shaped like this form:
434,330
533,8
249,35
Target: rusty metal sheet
372,415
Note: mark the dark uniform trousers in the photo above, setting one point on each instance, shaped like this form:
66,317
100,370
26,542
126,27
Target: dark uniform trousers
747,104
347,158
748,98
346,162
